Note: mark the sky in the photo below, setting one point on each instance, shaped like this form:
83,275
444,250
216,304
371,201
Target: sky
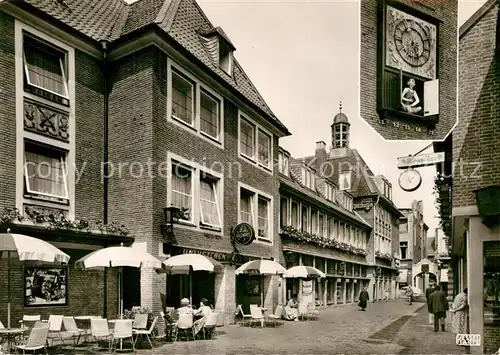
303,58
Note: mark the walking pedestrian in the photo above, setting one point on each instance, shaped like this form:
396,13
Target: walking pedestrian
409,295
364,297
428,291
460,315
438,305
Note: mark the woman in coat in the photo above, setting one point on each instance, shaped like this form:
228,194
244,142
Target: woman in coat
460,312
364,297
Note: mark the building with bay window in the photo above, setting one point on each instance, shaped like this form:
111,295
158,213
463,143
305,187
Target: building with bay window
319,228
367,195
409,68
117,119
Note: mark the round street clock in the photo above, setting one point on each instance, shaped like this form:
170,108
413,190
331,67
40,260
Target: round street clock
410,180
412,42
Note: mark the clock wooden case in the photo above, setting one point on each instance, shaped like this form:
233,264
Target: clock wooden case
408,82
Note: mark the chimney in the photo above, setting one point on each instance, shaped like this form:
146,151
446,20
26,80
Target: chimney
320,145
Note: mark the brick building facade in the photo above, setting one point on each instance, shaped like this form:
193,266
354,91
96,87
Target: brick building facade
371,200
59,127
150,109
319,228
475,149
412,234
387,64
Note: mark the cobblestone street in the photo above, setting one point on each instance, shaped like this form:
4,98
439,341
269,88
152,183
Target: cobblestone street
385,328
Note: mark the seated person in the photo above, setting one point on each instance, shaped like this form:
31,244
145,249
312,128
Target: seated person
291,310
410,99
203,312
185,308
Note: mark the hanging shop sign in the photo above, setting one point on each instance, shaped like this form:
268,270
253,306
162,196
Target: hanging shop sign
365,203
243,234
420,160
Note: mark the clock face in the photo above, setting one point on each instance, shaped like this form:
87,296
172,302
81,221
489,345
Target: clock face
412,42
410,180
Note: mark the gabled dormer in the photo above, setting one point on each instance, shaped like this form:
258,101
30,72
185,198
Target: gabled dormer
345,200
284,162
327,189
219,48
308,177
384,186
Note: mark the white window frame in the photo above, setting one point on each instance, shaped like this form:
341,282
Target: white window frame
197,170
284,164
255,211
21,30
204,91
198,87
215,188
254,134
308,217
270,148
298,214
193,98
193,179
321,229
255,158
63,71
341,180
308,178
288,211
34,193
314,216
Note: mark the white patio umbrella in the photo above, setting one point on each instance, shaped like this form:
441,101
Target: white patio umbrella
27,248
118,257
186,263
261,267
305,272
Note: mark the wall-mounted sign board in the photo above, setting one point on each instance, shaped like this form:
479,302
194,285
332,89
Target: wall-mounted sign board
420,160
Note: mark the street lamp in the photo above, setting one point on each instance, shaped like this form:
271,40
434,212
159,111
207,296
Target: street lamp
171,215
488,205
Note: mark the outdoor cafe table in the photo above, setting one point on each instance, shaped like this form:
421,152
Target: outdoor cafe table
10,334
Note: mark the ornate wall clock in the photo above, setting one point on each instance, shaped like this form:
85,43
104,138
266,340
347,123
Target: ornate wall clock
410,43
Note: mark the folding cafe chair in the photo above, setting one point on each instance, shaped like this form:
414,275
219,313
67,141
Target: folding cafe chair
37,339
146,332
99,329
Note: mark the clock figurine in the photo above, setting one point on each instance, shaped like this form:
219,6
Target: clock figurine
410,180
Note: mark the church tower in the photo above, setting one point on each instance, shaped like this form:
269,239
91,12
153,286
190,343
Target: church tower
340,130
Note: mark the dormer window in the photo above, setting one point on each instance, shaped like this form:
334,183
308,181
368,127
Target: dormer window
308,178
387,189
283,162
345,200
345,180
225,57
219,48
330,191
